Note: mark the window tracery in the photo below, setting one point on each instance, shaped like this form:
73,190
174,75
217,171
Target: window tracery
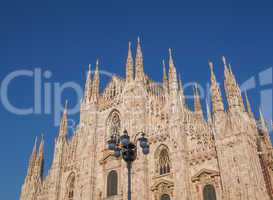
163,162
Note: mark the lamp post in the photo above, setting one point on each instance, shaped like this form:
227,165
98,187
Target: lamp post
124,147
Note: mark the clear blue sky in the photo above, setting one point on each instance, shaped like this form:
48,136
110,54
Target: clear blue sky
64,36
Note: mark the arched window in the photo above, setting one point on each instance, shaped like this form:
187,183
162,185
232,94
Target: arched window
112,183
71,187
164,162
114,124
165,197
209,193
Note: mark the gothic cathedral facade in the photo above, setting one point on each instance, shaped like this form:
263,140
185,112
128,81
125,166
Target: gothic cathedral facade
226,155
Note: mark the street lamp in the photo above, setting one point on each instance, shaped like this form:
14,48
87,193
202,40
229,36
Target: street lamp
122,146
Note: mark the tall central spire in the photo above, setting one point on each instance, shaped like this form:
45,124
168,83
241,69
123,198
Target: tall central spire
139,63
129,65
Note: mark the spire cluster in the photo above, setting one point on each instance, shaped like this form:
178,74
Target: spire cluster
91,92
233,92
36,161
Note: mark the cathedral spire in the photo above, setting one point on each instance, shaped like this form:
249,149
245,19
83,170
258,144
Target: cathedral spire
32,159
40,160
129,65
197,102
165,78
41,148
262,124
88,86
216,96
139,66
248,106
173,84
34,150
233,92
181,90
63,124
96,84
208,111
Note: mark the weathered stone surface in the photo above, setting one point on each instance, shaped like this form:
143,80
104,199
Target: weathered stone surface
228,150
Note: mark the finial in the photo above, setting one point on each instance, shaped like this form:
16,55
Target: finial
196,87
170,52
261,116
248,106
224,60
138,39
129,44
230,69
163,63
41,143
211,65
89,68
35,142
35,146
208,110
164,69
180,82
97,62
66,104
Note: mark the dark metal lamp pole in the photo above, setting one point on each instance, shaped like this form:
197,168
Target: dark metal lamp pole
122,146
